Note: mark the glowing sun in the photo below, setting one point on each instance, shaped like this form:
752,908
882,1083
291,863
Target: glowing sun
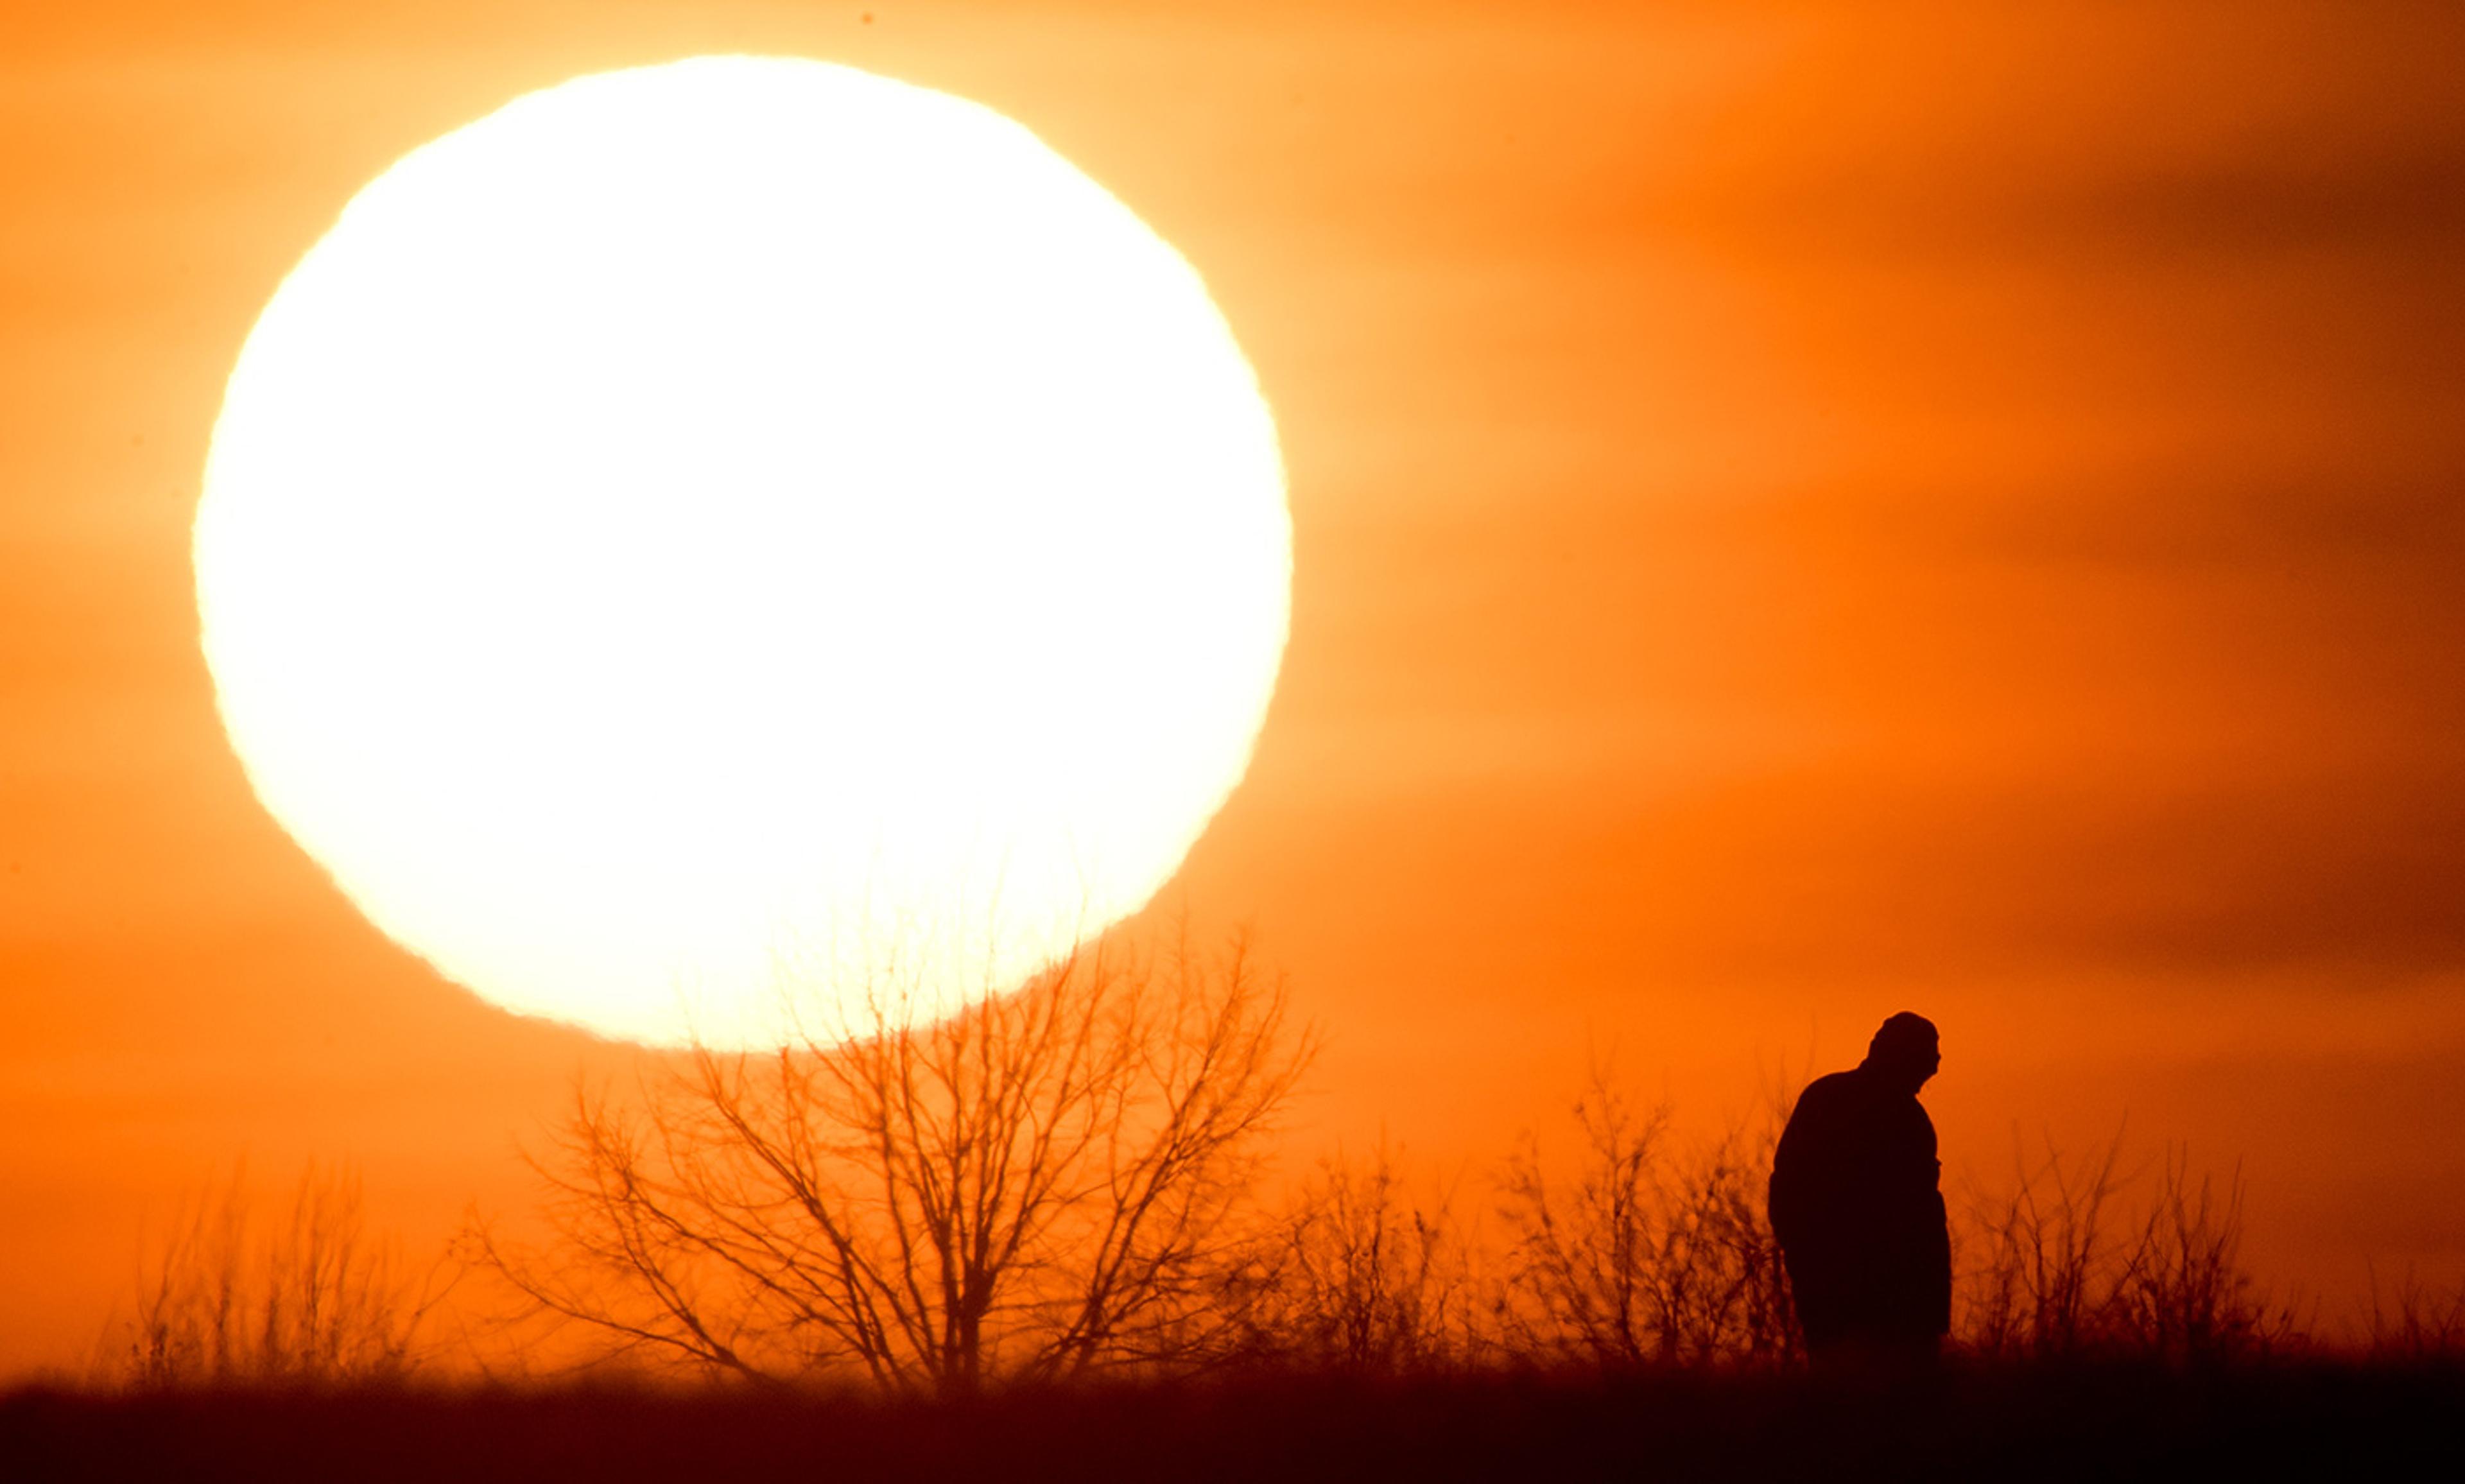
715,536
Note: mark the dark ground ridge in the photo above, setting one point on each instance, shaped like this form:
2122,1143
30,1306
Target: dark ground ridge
2014,1423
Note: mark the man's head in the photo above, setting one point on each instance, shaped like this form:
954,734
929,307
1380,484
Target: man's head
1906,1051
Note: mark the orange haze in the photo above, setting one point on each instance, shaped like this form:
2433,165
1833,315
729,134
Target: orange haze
1801,512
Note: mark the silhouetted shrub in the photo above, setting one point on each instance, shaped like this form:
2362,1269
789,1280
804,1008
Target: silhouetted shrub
2416,1326
2055,1266
1637,1255
310,1300
1359,1277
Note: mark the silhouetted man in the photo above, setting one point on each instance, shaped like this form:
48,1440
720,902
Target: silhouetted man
1858,1203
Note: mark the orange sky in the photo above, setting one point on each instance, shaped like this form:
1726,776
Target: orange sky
1800,512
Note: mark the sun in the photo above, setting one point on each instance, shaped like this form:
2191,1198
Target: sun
709,541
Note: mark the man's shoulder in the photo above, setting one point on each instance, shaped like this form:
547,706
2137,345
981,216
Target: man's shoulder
1833,1087
1825,1102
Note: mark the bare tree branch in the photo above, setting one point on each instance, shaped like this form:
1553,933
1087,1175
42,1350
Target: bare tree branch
1042,1186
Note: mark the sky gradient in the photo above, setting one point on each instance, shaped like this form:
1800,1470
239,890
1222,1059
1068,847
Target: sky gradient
1800,512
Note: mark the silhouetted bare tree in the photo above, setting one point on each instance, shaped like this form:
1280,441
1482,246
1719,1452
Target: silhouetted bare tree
311,1300
1047,1184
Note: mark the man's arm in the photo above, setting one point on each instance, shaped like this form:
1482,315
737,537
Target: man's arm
1935,1237
1938,1270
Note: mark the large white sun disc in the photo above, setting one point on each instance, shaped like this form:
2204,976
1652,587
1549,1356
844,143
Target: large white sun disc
709,539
